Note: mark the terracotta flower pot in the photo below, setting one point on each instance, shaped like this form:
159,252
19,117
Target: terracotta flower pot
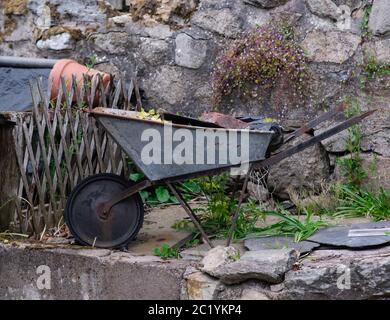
66,68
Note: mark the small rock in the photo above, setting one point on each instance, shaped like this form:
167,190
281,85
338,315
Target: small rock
256,17
336,143
160,31
114,42
153,51
223,22
306,170
162,10
331,46
167,84
251,294
22,33
199,286
189,270
379,49
62,41
87,11
116,4
189,52
258,191
43,20
265,265
218,257
35,6
121,20
204,94
324,8
379,18
375,129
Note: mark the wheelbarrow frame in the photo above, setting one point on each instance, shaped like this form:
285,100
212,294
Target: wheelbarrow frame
254,165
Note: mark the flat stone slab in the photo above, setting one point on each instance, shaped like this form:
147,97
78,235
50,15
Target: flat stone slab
338,236
279,242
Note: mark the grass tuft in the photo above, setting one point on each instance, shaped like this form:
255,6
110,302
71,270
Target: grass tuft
362,203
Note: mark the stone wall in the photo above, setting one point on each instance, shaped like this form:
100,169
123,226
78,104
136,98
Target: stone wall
44,272
172,45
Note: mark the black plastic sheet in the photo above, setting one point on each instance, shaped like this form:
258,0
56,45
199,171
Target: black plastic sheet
15,92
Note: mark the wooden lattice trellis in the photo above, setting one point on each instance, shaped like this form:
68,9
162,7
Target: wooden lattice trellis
58,144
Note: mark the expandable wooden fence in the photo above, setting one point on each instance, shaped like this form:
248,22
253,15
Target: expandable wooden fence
58,144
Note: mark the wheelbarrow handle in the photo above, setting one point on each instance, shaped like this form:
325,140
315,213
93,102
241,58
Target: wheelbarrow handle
315,122
288,153
308,143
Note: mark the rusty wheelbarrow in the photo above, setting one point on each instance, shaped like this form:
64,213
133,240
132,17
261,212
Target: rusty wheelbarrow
106,210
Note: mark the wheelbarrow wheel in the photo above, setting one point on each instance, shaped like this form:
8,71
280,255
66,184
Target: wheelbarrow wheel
83,212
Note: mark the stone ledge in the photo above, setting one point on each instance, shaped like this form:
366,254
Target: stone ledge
104,274
340,274
87,274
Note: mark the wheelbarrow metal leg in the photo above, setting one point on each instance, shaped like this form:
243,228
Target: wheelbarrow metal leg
190,212
237,213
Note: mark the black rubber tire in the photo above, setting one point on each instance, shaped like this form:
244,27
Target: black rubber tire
82,218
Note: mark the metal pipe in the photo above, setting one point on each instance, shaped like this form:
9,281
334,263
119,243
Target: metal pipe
20,62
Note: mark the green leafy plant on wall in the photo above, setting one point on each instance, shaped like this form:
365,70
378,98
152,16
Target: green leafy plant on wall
366,18
260,59
373,69
351,165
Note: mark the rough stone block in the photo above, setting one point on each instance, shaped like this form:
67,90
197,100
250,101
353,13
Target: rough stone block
380,18
190,52
265,265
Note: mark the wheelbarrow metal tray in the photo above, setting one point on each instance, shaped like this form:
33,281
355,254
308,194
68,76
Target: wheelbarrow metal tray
209,153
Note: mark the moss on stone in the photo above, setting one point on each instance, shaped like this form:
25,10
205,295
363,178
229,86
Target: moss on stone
162,11
10,25
107,9
54,14
46,34
15,7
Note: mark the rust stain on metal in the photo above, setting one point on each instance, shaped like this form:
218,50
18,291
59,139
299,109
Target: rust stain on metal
224,120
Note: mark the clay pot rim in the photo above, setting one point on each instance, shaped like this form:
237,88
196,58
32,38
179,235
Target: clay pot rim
58,68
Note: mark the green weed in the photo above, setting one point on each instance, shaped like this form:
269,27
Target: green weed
166,252
290,226
351,165
373,69
161,195
364,25
360,203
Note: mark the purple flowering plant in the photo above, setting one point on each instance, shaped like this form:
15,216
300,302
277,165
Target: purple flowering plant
260,59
